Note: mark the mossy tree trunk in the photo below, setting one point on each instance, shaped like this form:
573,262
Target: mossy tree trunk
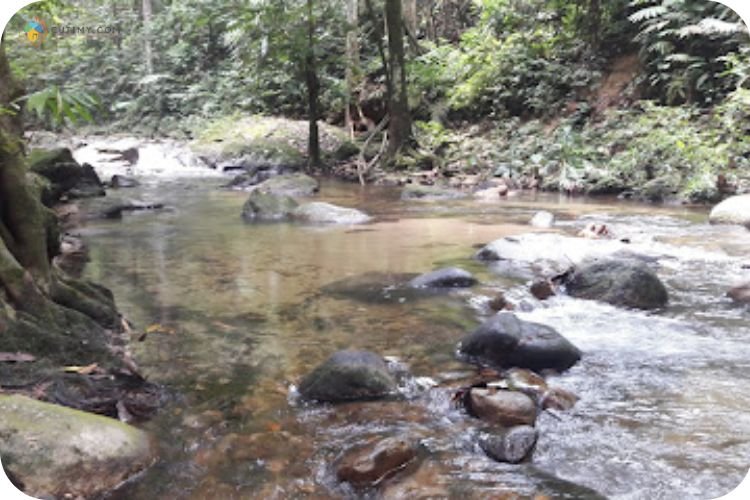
41,309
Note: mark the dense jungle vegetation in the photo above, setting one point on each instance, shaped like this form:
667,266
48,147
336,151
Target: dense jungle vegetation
597,96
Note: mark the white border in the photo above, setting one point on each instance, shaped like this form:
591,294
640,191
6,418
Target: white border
10,7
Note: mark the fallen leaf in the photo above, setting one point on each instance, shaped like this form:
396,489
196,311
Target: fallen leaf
274,426
82,370
16,357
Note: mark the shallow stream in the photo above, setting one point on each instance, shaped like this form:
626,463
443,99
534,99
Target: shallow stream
238,313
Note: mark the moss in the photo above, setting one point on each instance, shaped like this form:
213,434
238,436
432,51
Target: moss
277,140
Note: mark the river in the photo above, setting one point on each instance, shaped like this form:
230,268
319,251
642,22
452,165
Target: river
238,313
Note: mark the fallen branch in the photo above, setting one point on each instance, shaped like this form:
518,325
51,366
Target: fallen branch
363,166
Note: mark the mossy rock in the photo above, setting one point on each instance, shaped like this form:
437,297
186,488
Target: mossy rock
250,141
54,451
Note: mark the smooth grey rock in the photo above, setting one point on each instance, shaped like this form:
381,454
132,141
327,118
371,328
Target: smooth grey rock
319,212
505,408
733,210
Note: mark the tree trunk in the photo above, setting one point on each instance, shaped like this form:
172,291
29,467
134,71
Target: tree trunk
399,126
410,16
352,59
311,78
148,57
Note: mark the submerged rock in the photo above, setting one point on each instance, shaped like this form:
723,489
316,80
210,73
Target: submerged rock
319,212
429,193
511,445
449,277
620,283
369,464
290,185
266,207
733,210
55,451
348,376
506,341
543,219
505,408
114,207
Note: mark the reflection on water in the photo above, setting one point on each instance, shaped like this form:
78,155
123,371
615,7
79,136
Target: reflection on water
245,310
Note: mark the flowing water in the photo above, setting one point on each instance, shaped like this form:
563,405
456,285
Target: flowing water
238,313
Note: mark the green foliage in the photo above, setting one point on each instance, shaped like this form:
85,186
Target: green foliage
59,106
514,62
686,46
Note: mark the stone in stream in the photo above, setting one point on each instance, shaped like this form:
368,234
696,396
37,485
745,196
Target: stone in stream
262,206
429,193
501,407
290,185
368,464
511,445
740,294
114,207
621,283
348,376
122,181
543,219
733,210
505,341
542,289
319,212
500,303
54,451
449,277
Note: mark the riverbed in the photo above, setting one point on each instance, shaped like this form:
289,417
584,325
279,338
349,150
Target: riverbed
236,314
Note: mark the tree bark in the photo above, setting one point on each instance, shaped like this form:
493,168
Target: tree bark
410,16
399,126
311,78
148,57
352,59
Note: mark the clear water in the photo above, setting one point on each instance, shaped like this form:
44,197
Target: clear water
243,315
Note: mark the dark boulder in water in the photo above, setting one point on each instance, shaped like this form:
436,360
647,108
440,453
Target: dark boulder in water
511,445
348,376
505,341
617,282
449,277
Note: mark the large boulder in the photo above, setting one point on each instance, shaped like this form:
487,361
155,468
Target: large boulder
617,282
449,277
733,210
290,185
348,376
319,212
505,341
262,206
58,452
429,193
66,177
368,464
